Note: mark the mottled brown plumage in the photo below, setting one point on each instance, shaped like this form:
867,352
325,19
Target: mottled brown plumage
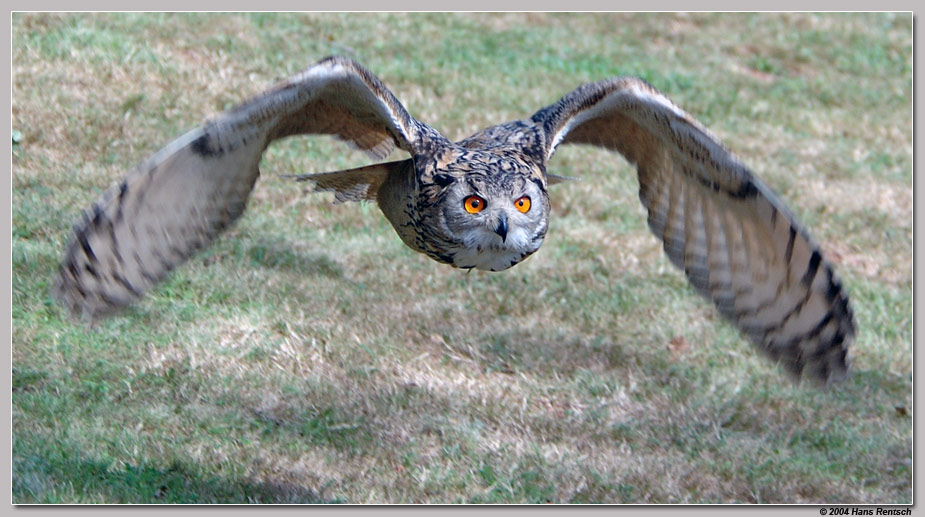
481,202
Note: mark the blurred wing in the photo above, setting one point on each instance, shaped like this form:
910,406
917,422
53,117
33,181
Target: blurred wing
178,200
739,245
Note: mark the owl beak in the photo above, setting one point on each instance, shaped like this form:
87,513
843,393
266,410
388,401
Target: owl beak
501,229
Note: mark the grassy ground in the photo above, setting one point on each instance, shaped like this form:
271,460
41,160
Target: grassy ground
308,356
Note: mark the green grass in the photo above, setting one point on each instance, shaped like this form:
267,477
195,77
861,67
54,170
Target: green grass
308,356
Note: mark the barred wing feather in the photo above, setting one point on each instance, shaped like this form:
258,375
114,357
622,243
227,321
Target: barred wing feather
736,241
180,199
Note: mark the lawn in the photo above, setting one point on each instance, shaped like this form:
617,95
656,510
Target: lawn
309,356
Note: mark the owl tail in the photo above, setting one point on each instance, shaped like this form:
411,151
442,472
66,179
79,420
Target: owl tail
360,184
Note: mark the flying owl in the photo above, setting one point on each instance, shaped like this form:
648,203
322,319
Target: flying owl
481,202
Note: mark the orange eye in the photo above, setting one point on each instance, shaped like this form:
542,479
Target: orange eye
523,204
474,204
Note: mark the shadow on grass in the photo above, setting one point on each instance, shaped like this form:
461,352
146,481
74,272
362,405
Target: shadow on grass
60,479
279,254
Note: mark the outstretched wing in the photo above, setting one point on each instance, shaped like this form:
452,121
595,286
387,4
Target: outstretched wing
739,245
178,200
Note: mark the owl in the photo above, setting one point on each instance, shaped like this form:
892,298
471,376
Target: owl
481,202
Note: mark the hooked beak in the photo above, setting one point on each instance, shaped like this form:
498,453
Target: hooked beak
502,228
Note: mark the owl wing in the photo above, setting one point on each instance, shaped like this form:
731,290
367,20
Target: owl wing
737,242
178,200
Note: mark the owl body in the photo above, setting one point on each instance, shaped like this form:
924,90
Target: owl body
425,200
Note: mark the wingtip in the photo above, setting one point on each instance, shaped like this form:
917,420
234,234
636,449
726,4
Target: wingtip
823,374
66,298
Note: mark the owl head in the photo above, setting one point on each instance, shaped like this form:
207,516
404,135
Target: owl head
493,210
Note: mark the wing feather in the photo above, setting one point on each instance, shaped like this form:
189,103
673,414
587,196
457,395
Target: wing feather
736,241
176,202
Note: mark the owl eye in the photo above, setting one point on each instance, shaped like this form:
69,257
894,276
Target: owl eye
474,204
523,204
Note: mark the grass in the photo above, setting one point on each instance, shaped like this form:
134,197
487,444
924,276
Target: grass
308,356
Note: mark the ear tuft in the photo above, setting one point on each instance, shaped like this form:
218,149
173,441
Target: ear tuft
554,179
